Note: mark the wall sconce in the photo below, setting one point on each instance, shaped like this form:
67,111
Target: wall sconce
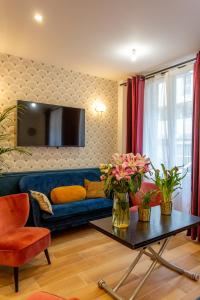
100,108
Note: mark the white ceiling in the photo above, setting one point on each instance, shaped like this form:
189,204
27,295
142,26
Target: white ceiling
96,36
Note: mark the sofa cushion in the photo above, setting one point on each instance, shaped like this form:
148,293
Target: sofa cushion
79,207
65,194
94,189
43,201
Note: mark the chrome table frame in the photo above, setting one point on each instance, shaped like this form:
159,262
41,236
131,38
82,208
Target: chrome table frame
156,257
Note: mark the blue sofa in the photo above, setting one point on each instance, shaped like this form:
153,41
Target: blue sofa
69,214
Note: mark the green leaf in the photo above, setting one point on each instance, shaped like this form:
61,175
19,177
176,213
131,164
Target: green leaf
5,116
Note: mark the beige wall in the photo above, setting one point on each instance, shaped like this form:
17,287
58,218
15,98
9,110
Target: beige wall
33,81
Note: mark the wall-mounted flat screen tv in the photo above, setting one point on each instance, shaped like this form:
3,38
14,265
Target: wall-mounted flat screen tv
40,124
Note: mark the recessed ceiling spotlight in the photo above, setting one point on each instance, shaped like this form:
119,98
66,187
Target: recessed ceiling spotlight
38,18
133,55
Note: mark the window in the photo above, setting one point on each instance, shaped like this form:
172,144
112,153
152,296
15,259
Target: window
168,125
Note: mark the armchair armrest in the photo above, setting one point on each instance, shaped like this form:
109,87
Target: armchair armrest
36,212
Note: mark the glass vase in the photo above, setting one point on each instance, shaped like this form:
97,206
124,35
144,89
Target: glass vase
121,213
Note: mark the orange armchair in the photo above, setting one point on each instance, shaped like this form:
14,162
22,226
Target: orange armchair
146,187
19,244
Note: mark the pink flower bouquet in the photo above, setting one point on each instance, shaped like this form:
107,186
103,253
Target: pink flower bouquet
124,174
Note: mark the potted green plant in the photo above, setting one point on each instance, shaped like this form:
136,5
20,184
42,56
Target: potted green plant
168,181
5,118
144,209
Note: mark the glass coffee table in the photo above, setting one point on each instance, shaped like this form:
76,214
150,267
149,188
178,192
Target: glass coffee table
140,236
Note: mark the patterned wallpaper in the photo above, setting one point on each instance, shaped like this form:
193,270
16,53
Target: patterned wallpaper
33,81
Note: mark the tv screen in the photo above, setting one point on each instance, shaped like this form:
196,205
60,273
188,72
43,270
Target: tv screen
49,125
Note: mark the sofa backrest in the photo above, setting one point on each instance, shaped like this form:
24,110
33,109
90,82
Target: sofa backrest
45,182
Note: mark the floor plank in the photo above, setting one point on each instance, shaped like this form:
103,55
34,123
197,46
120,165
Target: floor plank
80,257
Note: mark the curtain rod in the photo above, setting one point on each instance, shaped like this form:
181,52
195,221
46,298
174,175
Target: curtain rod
170,67
164,70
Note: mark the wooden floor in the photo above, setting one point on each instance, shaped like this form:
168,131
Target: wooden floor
83,256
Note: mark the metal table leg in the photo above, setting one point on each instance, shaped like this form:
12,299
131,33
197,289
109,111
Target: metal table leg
173,267
102,284
151,268
130,269
157,258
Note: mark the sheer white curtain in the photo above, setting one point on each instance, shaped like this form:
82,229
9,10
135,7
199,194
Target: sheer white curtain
167,136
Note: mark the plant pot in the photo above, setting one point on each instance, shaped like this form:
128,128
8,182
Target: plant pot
120,212
166,208
144,214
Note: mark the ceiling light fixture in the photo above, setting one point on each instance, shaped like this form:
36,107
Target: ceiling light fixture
133,55
38,18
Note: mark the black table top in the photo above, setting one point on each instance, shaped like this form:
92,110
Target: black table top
140,234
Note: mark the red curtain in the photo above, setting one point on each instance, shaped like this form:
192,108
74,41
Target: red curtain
195,209
135,110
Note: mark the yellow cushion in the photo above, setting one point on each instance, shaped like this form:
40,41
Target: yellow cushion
94,189
43,201
65,194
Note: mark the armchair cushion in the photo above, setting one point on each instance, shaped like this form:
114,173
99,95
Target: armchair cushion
19,246
22,238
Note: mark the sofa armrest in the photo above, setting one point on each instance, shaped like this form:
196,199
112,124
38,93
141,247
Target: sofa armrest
36,212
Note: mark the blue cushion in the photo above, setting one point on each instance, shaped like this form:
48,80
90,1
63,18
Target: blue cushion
79,207
45,182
